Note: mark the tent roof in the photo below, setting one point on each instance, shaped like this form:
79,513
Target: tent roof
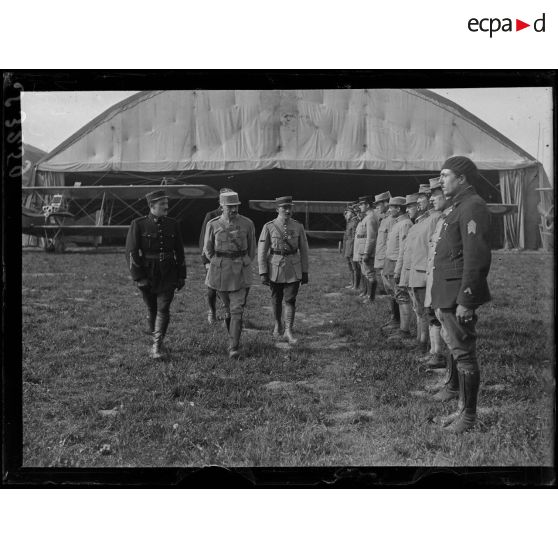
350,129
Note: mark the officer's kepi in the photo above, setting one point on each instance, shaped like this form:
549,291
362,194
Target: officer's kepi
155,196
284,201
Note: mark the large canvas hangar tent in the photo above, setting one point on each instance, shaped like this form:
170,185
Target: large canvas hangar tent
314,144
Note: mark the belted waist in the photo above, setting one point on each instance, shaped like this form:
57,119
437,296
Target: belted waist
361,236
231,255
283,252
161,256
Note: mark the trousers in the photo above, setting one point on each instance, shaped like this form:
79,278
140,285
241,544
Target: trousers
158,303
234,301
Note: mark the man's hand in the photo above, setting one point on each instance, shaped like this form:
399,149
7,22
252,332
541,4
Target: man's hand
397,278
304,278
464,315
143,283
265,279
180,284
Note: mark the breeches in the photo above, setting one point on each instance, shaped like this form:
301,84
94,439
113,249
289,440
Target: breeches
460,338
158,303
234,301
284,291
385,281
368,269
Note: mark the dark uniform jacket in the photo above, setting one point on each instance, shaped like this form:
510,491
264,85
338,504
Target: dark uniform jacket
462,254
154,251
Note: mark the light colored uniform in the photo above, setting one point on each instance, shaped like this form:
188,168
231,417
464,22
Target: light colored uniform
430,259
360,240
394,245
367,248
386,223
283,251
230,247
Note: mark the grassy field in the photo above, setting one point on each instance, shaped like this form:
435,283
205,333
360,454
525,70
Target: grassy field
92,397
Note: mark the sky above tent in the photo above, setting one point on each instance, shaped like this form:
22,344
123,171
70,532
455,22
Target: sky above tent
522,114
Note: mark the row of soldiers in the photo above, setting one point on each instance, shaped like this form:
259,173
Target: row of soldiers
429,249
430,252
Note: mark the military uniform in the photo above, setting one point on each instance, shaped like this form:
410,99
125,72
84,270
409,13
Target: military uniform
155,257
230,247
211,294
283,258
394,244
459,281
368,251
348,249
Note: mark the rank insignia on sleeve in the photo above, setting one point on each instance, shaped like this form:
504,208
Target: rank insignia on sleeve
471,227
468,291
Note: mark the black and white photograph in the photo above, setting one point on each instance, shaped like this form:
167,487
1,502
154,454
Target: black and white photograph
343,276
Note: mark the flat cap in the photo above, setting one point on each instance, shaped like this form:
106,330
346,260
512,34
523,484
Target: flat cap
411,198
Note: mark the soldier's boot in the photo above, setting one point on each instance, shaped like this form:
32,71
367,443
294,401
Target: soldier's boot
227,322
448,419
289,323
371,291
357,274
394,322
351,285
159,331
234,337
279,327
403,334
150,322
435,342
470,380
450,390
212,303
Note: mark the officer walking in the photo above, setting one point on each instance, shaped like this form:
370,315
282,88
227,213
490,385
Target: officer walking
459,286
155,257
283,264
230,246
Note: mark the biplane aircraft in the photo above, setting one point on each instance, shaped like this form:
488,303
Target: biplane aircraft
327,209
95,212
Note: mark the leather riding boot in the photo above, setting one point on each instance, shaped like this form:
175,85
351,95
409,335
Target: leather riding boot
405,314
448,419
372,292
451,387
212,312
364,286
279,327
357,278
150,323
227,322
289,323
159,330
234,336
470,380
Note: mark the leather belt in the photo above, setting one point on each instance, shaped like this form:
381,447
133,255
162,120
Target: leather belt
161,256
283,252
231,255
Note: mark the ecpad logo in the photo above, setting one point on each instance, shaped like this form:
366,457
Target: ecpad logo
494,24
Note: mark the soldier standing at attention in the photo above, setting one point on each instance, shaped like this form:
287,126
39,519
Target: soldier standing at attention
230,246
459,282
395,242
349,245
381,208
155,256
366,235
403,265
356,250
283,264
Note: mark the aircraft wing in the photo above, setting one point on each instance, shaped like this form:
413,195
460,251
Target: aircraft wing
303,206
174,191
78,230
502,208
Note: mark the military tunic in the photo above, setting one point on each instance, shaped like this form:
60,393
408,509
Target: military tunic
462,255
154,251
208,217
385,226
419,254
395,239
283,251
349,237
360,240
230,247
430,259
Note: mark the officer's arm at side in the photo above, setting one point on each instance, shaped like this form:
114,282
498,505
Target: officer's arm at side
132,253
263,249
303,247
209,241
179,253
